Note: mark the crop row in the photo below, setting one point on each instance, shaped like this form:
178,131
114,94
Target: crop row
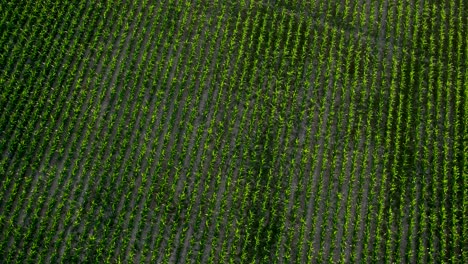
299,131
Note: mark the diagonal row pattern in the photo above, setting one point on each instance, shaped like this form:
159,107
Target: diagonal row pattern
198,131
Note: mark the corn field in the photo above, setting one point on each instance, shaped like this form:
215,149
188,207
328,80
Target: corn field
249,131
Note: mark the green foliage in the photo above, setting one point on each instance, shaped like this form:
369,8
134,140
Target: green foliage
233,132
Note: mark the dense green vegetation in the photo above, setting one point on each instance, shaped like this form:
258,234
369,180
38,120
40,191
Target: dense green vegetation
274,131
